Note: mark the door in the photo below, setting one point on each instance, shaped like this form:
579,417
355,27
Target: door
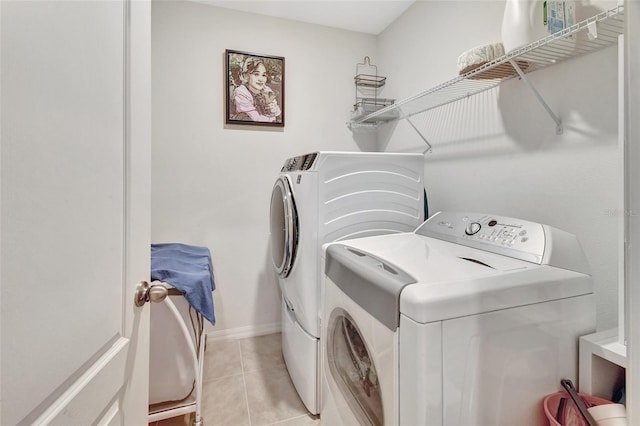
75,123
284,227
352,369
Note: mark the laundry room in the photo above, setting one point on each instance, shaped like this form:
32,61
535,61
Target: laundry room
431,221
497,152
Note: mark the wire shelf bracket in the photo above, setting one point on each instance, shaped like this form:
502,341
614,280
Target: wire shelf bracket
424,139
523,77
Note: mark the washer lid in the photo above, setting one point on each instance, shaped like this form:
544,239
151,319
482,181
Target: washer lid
426,302
453,280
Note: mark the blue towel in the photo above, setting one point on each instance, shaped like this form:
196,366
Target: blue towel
190,270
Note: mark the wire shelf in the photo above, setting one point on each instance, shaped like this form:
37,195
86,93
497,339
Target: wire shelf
586,36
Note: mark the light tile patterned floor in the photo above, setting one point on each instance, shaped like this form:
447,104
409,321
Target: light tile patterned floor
246,383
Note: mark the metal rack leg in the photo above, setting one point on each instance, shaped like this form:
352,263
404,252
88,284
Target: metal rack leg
198,421
197,360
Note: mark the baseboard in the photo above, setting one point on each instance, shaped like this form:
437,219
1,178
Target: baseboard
242,332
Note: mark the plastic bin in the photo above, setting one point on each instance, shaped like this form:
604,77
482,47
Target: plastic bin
568,414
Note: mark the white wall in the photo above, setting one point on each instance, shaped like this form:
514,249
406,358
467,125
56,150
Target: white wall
498,152
211,184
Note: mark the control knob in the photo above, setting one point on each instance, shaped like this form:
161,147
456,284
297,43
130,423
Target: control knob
472,228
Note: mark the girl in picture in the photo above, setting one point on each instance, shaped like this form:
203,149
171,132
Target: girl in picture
253,99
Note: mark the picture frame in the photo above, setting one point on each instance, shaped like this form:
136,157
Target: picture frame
254,89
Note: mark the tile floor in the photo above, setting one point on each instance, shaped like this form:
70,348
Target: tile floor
246,383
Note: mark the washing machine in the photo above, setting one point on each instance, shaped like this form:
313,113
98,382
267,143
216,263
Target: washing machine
470,320
332,196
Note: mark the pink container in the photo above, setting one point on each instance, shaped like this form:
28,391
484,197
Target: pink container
571,416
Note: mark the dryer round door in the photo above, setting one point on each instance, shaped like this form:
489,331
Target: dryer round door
284,226
352,368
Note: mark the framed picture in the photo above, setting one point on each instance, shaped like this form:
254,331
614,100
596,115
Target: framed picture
255,89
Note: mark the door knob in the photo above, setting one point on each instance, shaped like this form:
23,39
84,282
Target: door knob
150,293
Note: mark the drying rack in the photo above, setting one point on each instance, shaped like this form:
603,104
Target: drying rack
193,402
367,82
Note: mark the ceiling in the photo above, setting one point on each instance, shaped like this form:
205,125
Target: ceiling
366,16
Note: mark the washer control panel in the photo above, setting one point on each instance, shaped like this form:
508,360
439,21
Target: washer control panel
506,233
299,163
503,235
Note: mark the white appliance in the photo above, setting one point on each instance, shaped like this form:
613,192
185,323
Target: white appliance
323,197
470,320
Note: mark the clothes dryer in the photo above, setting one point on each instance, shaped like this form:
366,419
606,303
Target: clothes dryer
470,320
332,196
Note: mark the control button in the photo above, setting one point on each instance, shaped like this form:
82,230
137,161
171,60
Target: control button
472,228
493,222
524,239
523,232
